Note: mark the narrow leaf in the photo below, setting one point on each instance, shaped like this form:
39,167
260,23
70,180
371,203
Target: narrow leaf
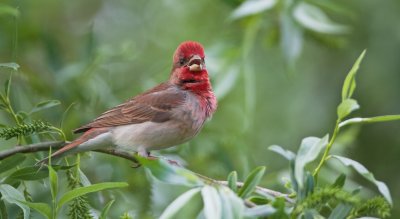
340,181
178,203
53,182
45,105
168,173
250,7
259,200
291,41
387,118
341,211
309,187
42,208
11,65
13,196
105,210
313,18
349,84
309,150
285,153
68,196
7,87
3,210
225,84
259,211
383,189
212,202
232,205
232,181
251,182
31,173
346,107
11,162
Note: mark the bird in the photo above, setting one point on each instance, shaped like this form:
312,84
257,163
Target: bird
166,115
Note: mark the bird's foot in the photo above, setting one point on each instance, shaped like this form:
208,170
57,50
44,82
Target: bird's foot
147,155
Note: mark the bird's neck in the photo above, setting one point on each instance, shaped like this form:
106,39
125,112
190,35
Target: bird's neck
203,90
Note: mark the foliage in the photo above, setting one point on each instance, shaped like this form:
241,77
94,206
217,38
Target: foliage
104,53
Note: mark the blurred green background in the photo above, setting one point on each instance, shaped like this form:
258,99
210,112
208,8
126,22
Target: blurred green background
277,74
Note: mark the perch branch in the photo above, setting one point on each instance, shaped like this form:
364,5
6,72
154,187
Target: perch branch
45,146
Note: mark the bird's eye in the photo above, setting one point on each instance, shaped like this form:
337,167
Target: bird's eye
181,61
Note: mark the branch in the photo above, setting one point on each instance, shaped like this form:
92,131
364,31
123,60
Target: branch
31,148
45,146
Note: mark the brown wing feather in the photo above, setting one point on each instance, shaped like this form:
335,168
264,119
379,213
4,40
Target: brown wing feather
153,105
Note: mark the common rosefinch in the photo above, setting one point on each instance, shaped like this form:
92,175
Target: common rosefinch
169,114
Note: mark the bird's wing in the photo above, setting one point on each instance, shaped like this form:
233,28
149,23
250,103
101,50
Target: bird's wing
154,105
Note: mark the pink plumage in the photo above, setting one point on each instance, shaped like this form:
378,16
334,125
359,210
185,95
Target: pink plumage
169,114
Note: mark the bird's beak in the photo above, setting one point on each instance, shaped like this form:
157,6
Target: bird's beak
196,63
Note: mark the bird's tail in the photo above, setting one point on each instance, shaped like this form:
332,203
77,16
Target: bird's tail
61,152
74,146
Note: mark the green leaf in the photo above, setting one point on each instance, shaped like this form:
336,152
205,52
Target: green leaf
232,205
259,211
169,173
45,105
179,203
2,107
3,210
309,150
341,211
291,37
11,162
83,178
42,208
340,181
13,196
285,153
387,118
312,214
7,87
212,202
259,200
232,181
29,173
68,196
313,18
250,7
105,210
11,65
346,107
251,182
309,184
22,116
383,189
224,85
349,84
53,182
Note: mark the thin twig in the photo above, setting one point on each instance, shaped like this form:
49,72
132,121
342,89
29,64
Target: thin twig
263,191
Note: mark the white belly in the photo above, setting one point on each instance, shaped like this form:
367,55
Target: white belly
151,135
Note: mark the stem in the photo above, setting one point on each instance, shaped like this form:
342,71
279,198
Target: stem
326,152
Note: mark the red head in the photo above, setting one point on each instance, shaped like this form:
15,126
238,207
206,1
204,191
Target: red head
189,73
189,69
